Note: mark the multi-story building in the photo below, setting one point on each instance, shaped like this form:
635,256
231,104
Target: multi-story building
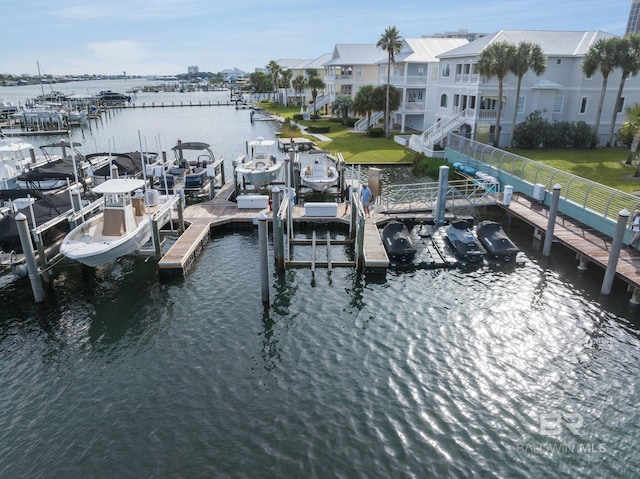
351,67
633,23
562,93
415,73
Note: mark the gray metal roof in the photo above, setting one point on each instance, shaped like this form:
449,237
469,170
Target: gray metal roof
356,54
553,43
426,49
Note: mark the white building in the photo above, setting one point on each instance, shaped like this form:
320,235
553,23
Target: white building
562,93
415,73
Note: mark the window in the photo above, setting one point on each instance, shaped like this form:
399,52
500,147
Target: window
474,68
459,69
583,105
557,104
620,105
456,100
520,104
446,70
467,68
358,71
443,101
434,73
558,61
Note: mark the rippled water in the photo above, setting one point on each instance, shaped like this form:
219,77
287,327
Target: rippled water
524,372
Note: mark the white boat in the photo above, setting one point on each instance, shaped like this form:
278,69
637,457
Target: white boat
122,228
15,159
261,168
189,170
319,176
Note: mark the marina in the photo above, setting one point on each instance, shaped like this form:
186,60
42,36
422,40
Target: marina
441,371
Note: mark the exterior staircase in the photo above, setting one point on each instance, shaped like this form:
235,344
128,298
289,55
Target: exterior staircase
429,138
361,124
320,102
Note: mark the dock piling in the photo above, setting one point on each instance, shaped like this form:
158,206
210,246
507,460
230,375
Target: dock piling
264,258
551,222
616,245
30,257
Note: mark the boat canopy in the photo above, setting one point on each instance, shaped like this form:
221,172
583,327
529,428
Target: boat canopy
119,186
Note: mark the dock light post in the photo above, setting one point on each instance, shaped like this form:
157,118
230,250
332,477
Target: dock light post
616,244
264,258
30,257
551,222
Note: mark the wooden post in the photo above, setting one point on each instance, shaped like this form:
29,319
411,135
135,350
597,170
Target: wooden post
156,238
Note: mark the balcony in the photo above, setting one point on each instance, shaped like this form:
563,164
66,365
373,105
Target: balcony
413,106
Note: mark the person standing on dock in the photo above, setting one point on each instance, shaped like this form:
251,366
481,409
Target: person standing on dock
346,196
365,195
635,226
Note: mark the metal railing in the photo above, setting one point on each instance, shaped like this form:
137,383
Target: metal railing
592,203
423,196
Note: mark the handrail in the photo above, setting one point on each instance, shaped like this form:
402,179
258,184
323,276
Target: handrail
595,199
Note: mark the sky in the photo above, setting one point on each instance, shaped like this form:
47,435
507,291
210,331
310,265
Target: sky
165,37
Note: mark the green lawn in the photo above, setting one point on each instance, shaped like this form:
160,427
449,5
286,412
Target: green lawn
355,147
602,165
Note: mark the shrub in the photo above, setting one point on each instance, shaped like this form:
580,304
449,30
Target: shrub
376,132
429,167
583,136
319,129
531,132
298,116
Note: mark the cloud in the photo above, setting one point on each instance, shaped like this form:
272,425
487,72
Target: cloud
123,51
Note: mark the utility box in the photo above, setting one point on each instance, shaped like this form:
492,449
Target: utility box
508,193
321,210
539,192
252,201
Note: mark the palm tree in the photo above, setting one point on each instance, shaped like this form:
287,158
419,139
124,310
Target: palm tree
315,83
630,131
342,105
528,56
601,57
365,102
299,84
392,42
274,70
628,59
495,61
285,82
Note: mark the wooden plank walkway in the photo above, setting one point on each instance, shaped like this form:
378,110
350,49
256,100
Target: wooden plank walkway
581,239
203,216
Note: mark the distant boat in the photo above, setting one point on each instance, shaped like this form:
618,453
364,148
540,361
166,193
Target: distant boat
122,228
261,168
496,242
397,242
319,176
466,245
112,98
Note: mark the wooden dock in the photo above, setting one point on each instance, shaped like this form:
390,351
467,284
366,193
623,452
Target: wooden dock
202,217
579,238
